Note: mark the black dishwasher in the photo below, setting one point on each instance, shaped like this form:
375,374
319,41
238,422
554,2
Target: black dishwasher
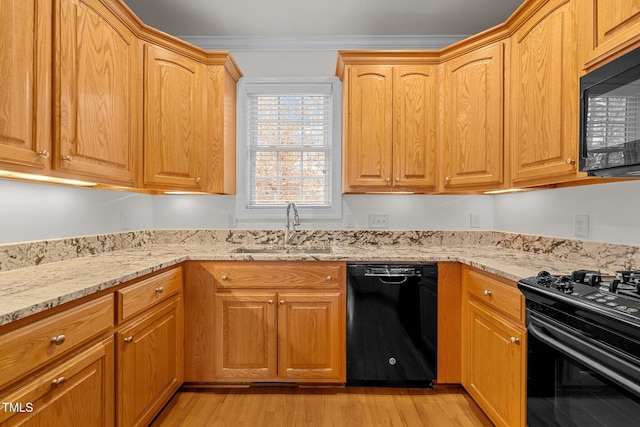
392,324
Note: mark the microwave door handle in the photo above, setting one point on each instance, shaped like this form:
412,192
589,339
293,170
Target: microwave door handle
584,99
580,349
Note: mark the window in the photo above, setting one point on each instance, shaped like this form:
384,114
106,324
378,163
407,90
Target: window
289,147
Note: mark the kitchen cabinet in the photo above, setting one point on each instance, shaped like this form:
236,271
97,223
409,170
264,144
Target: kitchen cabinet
96,94
611,28
25,85
389,126
473,142
174,120
149,347
544,96
272,322
76,392
494,346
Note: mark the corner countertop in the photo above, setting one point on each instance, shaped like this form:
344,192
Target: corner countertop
29,290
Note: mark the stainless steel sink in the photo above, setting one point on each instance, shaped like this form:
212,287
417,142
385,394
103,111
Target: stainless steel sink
282,251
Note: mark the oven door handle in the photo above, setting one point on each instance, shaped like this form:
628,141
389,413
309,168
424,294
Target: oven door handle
601,359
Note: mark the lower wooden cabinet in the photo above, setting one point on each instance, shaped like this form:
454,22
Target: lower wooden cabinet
76,392
273,336
265,322
149,360
494,347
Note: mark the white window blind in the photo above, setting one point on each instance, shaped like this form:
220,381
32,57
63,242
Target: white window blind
289,148
289,143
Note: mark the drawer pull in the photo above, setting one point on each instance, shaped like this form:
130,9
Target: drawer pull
58,381
487,292
515,340
58,340
224,277
270,301
281,302
329,278
128,339
159,290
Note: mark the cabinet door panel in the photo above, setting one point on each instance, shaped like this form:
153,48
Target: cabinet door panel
245,335
496,366
150,363
25,82
369,126
545,99
310,340
97,92
414,127
614,25
474,131
174,108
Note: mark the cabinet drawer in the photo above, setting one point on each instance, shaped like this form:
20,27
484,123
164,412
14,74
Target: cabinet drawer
269,274
78,391
138,297
32,346
494,293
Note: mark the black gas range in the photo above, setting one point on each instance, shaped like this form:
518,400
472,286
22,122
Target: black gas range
583,348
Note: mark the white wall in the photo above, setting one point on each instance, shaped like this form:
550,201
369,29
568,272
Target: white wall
31,211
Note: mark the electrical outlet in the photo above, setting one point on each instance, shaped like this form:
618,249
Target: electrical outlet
349,221
474,220
581,225
124,222
378,220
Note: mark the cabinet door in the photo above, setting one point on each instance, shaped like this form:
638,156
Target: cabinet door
78,392
368,127
612,26
96,93
311,340
173,120
245,337
150,363
25,83
495,377
473,138
545,97
414,126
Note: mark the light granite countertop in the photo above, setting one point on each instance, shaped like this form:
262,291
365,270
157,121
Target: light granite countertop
29,290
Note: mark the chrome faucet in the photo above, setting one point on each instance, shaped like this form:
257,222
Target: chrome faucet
289,226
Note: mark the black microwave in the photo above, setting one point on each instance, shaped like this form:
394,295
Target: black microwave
610,118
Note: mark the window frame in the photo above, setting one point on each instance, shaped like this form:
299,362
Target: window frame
247,86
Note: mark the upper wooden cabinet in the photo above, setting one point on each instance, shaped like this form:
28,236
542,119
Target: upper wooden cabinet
25,85
611,27
473,140
544,96
96,92
390,122
174,108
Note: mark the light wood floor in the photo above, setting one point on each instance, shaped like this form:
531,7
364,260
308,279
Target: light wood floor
311,407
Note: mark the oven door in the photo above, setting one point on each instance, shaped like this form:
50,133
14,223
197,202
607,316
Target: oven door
573,380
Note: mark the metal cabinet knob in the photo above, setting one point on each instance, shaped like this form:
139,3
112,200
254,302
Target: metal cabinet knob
281,302
56,382
58,339
397,179
570,161
43,154
224,277
388,180
447,179
198,180
487,292
67,159
329,278
270,301
128,339
159,290
515,340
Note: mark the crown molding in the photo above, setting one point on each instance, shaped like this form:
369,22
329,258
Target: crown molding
321,43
